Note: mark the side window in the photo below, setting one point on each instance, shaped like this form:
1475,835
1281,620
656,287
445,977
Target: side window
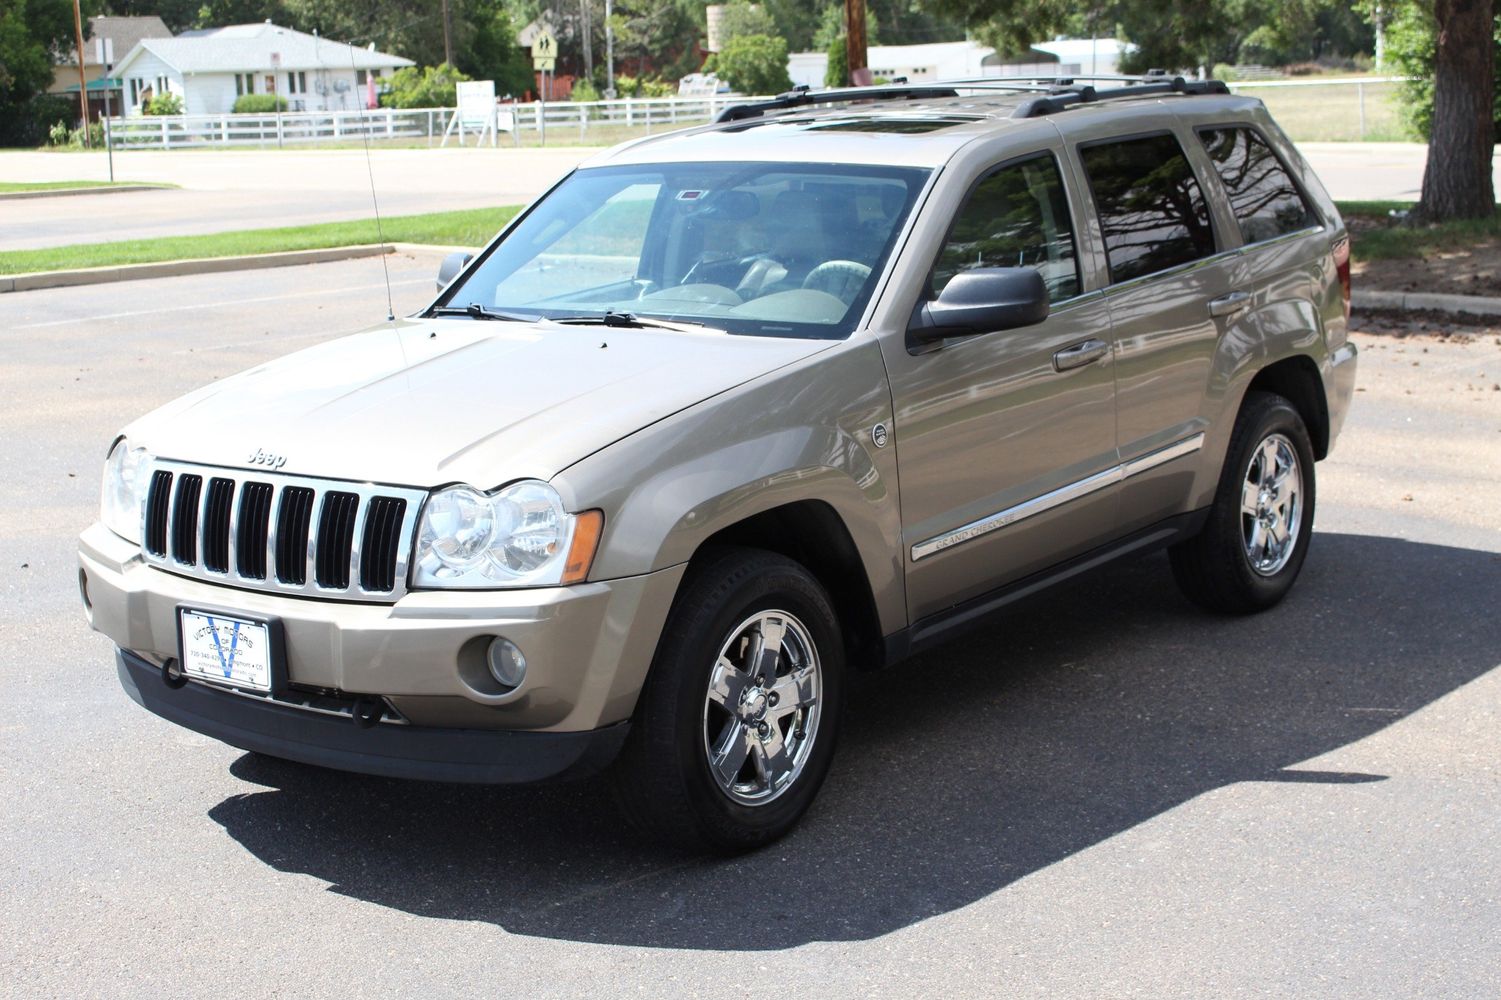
1016,217
1152,210
1267,203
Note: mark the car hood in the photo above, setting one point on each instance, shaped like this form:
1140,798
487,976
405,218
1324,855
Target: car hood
431,402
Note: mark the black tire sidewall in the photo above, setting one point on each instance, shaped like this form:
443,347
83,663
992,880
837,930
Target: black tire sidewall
1265,415
717,598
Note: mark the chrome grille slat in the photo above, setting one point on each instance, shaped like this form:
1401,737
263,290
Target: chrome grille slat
186,516
228,526
215,524
294,542
158,502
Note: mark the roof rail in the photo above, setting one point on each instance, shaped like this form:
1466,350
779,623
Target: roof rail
803,96
1067,96
1054,93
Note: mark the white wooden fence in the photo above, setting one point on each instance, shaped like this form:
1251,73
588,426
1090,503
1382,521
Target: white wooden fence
536,122
564,119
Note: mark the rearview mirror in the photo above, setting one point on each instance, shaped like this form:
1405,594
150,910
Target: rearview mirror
982,300
451,266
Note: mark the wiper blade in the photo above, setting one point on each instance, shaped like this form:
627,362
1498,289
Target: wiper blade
476,311
625,319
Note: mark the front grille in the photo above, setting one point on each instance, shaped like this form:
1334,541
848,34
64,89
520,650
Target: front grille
285,534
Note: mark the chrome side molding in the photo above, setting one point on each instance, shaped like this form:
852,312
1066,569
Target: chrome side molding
1057,498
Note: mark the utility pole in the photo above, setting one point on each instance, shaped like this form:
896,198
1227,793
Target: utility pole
609,54
586,15
854,40
83,81
447,34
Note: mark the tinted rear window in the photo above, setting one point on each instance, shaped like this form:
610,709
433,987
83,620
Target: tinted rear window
1151,208
1266,202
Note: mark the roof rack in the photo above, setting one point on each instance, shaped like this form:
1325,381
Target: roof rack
1067,96
1054,93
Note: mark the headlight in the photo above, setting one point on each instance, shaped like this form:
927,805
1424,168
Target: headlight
124,491
519,536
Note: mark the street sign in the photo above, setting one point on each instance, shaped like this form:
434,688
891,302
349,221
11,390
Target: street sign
544,46
104,51
544,64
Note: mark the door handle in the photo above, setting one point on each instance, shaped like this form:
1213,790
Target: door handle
1229,305
1080,355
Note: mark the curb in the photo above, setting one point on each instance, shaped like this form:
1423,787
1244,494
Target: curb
174,268
73,192
1477,305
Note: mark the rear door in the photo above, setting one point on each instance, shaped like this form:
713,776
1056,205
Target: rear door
1005,442
1171,291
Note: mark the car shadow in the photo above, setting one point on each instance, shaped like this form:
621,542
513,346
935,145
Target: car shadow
1065,721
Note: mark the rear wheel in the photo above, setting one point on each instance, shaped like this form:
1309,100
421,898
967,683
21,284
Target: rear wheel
736,725
1252,547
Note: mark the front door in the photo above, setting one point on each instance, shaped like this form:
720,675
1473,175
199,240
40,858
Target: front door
1006,440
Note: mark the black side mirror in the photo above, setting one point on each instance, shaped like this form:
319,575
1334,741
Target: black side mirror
451,266
982,300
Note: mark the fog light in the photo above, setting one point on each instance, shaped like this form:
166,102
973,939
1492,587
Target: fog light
507,665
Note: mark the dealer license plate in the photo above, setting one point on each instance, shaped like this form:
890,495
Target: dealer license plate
224,650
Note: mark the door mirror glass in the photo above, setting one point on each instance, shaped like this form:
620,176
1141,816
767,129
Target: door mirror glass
451,266
981,300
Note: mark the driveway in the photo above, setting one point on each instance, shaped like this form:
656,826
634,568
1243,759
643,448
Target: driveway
1102,793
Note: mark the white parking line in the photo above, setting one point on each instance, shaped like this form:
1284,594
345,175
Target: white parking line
212,305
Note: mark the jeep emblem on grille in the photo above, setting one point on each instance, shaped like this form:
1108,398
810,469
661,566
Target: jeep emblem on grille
266,458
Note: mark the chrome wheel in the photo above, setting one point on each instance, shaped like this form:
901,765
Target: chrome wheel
1271,505
761,713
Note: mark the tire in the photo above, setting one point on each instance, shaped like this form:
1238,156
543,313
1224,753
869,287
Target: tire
697,710
1231,566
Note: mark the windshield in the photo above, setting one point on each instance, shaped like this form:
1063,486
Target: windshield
769,249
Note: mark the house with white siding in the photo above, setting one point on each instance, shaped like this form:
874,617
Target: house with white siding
210,68
967,59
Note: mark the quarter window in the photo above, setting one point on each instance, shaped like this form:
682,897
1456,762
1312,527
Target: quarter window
1266,202
1152,210
1016,217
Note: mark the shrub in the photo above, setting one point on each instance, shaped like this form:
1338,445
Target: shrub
163,104
583,90
1223,71
57,135
838,72
247,104
424,87
754,64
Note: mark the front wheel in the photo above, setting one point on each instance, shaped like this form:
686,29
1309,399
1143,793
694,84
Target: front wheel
736,725
1251,548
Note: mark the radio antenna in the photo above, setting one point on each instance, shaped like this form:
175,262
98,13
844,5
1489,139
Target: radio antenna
380,233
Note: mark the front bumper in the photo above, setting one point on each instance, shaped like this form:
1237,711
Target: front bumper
588,647
395,751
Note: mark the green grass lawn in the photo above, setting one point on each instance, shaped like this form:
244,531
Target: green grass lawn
1334,112
7,187
1376,235
470,227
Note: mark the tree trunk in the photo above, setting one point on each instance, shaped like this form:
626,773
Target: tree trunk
1457,180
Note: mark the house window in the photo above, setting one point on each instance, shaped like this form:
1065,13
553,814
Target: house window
161,85
244,84
297,83
135,90
359,78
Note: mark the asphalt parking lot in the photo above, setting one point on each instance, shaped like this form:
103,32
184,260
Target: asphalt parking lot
1102,793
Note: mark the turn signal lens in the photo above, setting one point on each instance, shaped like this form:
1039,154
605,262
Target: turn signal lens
587,528
1341,251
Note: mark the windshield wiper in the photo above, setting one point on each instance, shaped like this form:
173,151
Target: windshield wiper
476,311
631,320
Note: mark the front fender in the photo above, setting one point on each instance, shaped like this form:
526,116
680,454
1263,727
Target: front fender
803,432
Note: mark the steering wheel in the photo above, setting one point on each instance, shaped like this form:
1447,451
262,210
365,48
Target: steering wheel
841,278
